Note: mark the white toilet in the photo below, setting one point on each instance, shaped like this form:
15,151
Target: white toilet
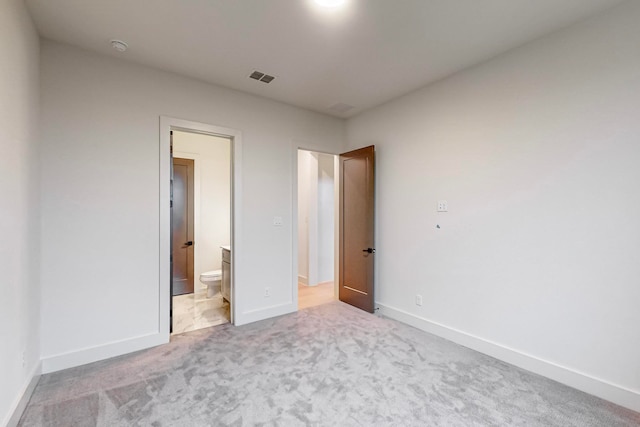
213,281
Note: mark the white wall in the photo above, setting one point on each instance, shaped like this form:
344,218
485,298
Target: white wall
304,160
19,209
537,152
212,199
326,217
100,199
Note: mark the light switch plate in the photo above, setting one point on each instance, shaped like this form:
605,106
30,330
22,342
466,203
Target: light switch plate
443,206
277,221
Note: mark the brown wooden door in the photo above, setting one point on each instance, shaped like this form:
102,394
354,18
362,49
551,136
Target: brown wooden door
182,227
357,179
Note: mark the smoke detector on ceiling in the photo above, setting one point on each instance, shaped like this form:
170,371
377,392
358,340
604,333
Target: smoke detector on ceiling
119,45
261,77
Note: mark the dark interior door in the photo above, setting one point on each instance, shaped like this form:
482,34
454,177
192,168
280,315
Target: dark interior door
171,231
357,180
182,227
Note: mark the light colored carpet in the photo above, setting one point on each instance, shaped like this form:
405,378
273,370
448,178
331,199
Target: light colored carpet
330,365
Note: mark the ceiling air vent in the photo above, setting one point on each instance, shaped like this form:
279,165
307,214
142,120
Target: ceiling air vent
341,107
261,77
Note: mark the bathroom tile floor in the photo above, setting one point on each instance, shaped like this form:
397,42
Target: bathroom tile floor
196,311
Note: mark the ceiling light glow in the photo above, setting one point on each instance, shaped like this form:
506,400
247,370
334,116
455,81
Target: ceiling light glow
330,4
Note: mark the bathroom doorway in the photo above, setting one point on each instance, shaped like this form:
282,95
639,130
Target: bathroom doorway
201,229
317,228
216,254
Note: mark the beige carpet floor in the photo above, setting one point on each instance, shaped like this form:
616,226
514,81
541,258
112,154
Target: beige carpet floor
330,365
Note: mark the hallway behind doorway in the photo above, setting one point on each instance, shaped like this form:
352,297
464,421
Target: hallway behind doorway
311,296
317,228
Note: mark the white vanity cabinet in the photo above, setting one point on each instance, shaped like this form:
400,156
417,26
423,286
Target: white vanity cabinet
226,273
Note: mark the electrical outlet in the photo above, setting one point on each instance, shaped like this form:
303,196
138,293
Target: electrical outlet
419,300
277,221
443,206
267,292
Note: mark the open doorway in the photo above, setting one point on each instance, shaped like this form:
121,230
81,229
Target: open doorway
230,255
200,230
317,228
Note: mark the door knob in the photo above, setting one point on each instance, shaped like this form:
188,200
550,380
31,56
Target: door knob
189,243
369,250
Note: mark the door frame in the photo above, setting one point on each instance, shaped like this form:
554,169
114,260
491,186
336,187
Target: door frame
294,222
167,124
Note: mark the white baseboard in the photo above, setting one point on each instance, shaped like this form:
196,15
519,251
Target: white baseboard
93,354
303,280
312,285
579,380
18,407
265,313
